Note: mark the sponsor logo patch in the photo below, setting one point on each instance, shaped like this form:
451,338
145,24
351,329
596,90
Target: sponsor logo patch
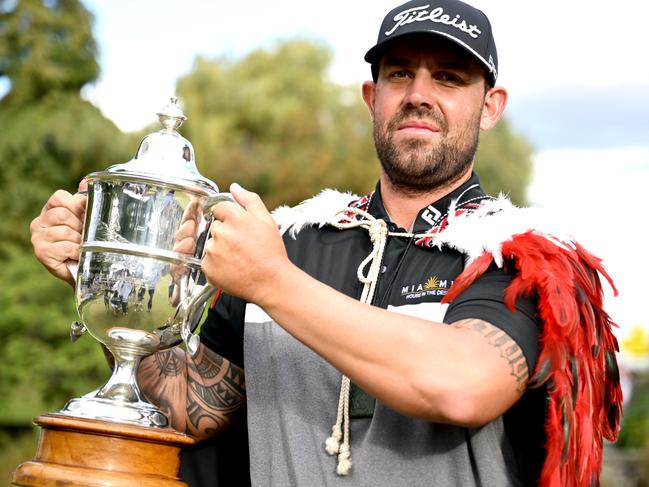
434,286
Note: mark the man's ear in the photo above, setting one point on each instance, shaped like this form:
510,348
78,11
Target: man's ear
493,108
369,93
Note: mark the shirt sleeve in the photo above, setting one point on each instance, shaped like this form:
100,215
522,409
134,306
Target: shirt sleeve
222,330
484,300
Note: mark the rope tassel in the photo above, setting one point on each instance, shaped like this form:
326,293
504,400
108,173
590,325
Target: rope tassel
340,431
332,445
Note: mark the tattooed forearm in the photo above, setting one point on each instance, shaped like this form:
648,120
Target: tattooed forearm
199,394
208,367
508,348
197,415
216,389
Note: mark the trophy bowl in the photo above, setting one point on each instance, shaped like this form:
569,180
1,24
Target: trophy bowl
140,288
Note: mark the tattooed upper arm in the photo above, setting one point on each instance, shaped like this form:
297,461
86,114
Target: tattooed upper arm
506,346
199,394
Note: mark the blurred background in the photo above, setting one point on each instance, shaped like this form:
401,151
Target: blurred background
272,92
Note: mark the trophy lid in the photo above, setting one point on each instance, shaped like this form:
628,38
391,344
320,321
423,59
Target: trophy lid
164,156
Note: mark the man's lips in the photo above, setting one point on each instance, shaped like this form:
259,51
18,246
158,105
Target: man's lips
418,127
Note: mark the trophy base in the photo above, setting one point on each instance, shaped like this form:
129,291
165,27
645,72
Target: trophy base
138,413
79,452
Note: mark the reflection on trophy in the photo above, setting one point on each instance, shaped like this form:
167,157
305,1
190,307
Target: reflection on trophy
139,290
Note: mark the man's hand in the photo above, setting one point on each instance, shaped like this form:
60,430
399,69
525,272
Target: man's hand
56,232
246,251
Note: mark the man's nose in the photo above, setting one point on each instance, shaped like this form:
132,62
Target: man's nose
421,91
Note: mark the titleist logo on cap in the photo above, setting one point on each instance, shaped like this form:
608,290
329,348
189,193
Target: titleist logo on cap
437,15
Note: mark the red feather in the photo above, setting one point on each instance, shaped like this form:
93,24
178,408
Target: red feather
577,351
470,274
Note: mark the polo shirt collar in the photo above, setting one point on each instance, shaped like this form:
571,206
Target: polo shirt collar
434,213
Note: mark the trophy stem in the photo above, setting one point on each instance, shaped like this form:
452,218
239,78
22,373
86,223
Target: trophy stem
120,399
122,385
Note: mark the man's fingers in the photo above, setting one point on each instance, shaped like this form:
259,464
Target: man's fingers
43,233
187,229
58,216
55,256
79,205
249,200
62,199
60,255
61,233
185,246
64,251
246,202
59,198
56,232
224,211
56,244
214,229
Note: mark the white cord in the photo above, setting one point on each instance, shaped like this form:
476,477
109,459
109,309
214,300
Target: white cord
378,231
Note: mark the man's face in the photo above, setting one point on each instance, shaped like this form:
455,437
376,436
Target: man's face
427,106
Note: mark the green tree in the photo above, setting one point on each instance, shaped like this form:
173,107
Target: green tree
41,369
504,162
46,45
47,145
50,139
634,432
274,122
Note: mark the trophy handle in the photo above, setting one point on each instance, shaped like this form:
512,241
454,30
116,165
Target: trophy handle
218,198
77,329
186,312
201,293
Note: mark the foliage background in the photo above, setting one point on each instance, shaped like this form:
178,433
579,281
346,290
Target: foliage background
270,120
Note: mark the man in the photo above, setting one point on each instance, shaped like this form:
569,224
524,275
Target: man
347,347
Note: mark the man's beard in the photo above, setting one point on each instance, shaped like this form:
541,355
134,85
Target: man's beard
415,166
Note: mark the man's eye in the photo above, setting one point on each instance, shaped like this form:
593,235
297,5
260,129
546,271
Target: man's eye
448,77
401,73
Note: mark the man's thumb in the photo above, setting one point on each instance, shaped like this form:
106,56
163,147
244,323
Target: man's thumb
249,200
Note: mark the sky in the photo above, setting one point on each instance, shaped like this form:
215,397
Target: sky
576,72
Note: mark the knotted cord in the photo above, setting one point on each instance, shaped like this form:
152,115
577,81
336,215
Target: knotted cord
378,232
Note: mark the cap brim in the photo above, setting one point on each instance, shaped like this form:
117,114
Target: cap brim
374,55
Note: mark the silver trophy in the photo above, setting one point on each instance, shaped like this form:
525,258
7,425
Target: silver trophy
140,288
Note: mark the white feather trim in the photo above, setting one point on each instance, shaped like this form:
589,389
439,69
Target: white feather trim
494,223
318,210
471,233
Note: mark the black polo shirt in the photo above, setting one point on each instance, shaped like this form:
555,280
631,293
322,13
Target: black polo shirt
413,280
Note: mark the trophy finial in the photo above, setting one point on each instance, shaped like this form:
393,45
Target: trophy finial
171,117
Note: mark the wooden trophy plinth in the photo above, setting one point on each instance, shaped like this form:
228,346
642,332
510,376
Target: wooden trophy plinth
86,452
